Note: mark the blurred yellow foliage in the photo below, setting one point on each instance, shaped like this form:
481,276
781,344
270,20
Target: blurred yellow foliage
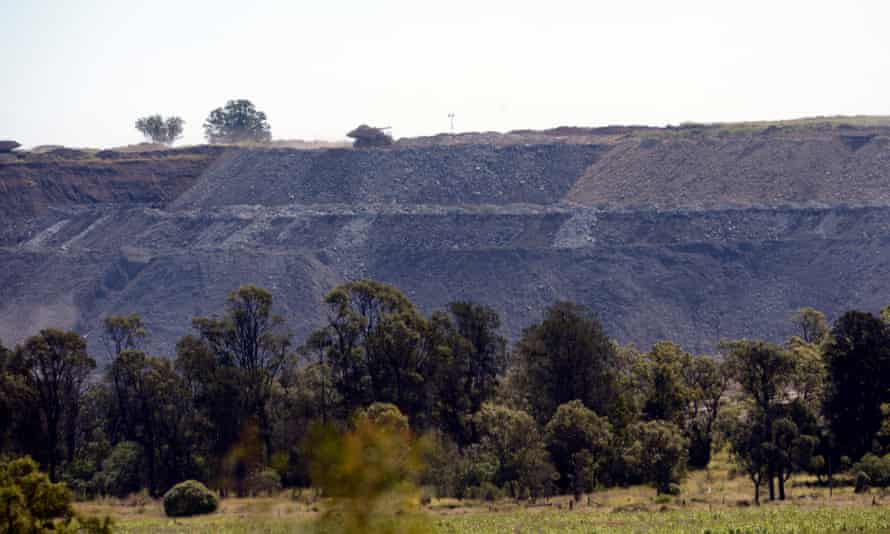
370,472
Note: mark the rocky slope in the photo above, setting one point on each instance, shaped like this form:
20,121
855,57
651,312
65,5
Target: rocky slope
667,235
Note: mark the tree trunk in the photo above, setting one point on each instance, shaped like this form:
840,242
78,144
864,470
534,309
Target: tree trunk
772,486
781,478
152,478
53,431
324,396
266,433
757,492
70,436
830,478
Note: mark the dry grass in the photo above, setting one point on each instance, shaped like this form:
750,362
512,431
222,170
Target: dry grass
790,126
711,498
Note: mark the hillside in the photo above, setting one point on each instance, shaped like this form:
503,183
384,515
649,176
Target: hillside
692,234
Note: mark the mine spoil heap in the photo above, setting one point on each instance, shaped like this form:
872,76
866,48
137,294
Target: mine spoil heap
691,234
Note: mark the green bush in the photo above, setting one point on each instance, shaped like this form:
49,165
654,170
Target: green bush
441,466
120,475
474,467
266,481
663,499
876,468
79,475
485,492
190,498
29,502
384,414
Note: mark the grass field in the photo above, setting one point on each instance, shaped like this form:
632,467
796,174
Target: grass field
765,520
712,502
250,516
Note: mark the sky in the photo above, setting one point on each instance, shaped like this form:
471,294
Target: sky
79,73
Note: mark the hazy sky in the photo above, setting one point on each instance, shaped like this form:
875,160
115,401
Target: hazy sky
80,72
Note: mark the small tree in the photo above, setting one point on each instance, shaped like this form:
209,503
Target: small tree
857,359
120,473
749,442
669,396
238,122
122,332
161,130
55,366
660,451
766,374
567,356
811,323
709,380
579,442
251,344
513,439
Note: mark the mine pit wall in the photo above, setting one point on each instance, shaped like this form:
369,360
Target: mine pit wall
107,230
458,175
824,167
690,276
31,186
517,227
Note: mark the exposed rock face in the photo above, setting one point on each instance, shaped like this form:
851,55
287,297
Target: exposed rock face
40,182
739,170
666,237
448,176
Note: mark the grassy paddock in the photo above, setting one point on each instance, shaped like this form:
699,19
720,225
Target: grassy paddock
713,501
631,510
784,519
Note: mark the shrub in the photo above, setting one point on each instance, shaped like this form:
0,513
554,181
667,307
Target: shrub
266,481
513,440
490,492
120,475
442,467
368,471
29,502
485,492
474,466
673,489
79,475
190,498
876,468
663,499
384,414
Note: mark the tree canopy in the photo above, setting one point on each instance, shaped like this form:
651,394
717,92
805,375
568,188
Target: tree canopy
238,122
567,357
567,410
161,130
